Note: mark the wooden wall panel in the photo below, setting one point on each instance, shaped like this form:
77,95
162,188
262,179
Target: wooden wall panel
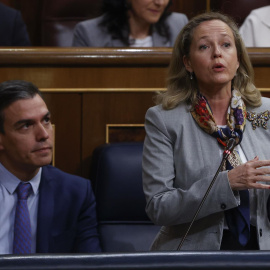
191,8
66,115
87,77
100,109
261,77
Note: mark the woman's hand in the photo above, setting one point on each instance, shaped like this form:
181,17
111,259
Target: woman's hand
248,175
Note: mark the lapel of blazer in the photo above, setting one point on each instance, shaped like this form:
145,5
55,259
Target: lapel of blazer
158,40
45,212
116,43
248,143
112,42
252,146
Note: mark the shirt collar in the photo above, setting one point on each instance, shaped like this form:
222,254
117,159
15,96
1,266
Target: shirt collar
10,181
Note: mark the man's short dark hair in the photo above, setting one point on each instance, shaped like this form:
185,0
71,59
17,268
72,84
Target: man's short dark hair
13,90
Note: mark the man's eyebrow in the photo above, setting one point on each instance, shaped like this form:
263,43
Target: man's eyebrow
24,121
48,114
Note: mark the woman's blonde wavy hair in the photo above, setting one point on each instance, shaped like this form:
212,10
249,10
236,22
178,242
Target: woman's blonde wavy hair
180,88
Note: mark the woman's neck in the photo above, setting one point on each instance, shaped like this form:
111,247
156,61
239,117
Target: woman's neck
138,29
220,110
219,102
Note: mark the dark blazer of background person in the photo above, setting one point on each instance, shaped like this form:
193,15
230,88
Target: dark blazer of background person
13,30
66,220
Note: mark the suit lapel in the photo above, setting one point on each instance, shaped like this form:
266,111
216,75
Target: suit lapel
45,212
158,40
116,42
249,145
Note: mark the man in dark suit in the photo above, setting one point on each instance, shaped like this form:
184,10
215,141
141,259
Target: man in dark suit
57,212
13,30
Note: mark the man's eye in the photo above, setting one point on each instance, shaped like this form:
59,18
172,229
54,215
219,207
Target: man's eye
47,120
26,126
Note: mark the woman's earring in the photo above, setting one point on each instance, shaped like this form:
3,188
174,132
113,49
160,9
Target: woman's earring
191,75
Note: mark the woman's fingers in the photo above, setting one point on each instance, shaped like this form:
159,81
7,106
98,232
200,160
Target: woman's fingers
250,175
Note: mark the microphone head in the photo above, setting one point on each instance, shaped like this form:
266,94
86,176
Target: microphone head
231,144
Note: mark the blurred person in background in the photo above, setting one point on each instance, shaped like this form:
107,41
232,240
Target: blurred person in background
255,30
131,23
13,30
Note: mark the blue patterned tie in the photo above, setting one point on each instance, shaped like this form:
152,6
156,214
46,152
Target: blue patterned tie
22,225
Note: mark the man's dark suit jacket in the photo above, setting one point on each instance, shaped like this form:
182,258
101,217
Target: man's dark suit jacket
66,220
13,31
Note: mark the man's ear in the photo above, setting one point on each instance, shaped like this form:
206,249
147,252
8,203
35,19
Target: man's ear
187,64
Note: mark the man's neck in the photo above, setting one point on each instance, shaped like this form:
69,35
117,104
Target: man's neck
24,174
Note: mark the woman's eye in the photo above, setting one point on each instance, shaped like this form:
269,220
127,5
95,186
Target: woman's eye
203,47
227,44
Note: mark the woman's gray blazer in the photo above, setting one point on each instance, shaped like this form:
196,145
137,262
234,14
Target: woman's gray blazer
179,162
90,34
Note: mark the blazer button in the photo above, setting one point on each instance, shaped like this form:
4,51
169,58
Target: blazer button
260,232
223,206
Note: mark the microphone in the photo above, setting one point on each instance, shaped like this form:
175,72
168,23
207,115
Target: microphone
229,148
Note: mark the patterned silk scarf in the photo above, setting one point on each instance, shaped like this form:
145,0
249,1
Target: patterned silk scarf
238,219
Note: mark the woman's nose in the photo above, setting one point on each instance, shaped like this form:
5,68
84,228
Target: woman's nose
217,51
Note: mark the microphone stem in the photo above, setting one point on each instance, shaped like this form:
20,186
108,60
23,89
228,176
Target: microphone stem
203,200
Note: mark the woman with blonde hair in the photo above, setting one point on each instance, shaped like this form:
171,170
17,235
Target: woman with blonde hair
210,99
